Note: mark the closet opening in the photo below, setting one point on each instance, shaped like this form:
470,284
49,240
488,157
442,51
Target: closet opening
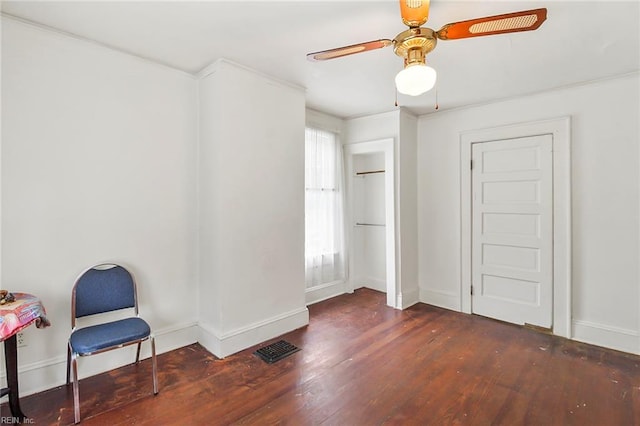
371,218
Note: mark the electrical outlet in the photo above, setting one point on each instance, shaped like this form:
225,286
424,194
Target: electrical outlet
22,342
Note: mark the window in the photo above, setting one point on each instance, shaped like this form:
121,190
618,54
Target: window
324,230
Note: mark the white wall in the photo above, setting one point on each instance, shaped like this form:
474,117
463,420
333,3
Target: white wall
408,208
605,201
98,164
371,127
251,196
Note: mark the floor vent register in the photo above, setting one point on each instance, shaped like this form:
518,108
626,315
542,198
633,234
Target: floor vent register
276,351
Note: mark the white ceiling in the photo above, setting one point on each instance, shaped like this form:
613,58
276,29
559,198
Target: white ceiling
580,41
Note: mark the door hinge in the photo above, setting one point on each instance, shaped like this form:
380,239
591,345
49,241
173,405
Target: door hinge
472,290
471,164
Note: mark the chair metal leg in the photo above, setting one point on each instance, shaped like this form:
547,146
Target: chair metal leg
76,390
154,365
138,352
68,363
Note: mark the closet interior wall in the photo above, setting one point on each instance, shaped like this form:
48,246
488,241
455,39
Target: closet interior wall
368,204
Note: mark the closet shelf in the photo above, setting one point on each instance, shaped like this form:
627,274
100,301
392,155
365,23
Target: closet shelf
369,224
369,172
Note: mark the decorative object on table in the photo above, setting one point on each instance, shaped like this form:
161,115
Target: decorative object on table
6,297
18,311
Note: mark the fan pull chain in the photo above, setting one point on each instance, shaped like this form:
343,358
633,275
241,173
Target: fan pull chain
437,106
396,93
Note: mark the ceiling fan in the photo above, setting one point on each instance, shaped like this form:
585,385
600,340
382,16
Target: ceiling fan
414,44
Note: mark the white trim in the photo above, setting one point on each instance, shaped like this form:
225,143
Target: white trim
408,298
215,66
607,336
385,146
49,373
323,121
370,283
559,128
324,291
212,68
442,299
228,343
208,338
76,37
444,110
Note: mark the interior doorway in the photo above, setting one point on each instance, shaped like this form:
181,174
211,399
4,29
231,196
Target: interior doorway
371,217
558,132
512,222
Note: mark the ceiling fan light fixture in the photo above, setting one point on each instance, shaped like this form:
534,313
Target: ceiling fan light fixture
414,12
415,79
414,44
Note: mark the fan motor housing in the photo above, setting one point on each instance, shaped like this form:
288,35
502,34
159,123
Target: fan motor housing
414,43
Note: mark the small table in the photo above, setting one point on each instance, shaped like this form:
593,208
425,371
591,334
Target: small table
14,317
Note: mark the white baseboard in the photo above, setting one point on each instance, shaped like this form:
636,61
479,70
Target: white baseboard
52,372
225,344
369,282
607,336
408,298
324,292
440,298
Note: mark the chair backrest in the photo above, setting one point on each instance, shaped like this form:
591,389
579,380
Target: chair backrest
103,288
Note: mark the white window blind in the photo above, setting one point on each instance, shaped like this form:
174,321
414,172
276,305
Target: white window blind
324,229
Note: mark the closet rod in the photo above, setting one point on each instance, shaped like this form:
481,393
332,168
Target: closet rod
368,173
369,224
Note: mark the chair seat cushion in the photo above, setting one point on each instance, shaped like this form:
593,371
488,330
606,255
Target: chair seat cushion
91,339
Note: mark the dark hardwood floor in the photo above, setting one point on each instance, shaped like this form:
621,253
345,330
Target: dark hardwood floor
363,363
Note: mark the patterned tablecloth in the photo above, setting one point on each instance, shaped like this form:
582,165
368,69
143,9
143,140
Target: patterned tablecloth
19,314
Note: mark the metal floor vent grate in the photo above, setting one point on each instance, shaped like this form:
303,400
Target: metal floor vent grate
276,351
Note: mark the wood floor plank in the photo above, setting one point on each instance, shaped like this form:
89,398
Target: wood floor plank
362,363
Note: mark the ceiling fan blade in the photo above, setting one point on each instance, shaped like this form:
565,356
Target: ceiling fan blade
414,12
349,50
527,20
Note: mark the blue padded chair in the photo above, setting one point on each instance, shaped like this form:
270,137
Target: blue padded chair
104,288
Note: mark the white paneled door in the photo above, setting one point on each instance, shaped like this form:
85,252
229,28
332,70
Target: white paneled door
512,230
